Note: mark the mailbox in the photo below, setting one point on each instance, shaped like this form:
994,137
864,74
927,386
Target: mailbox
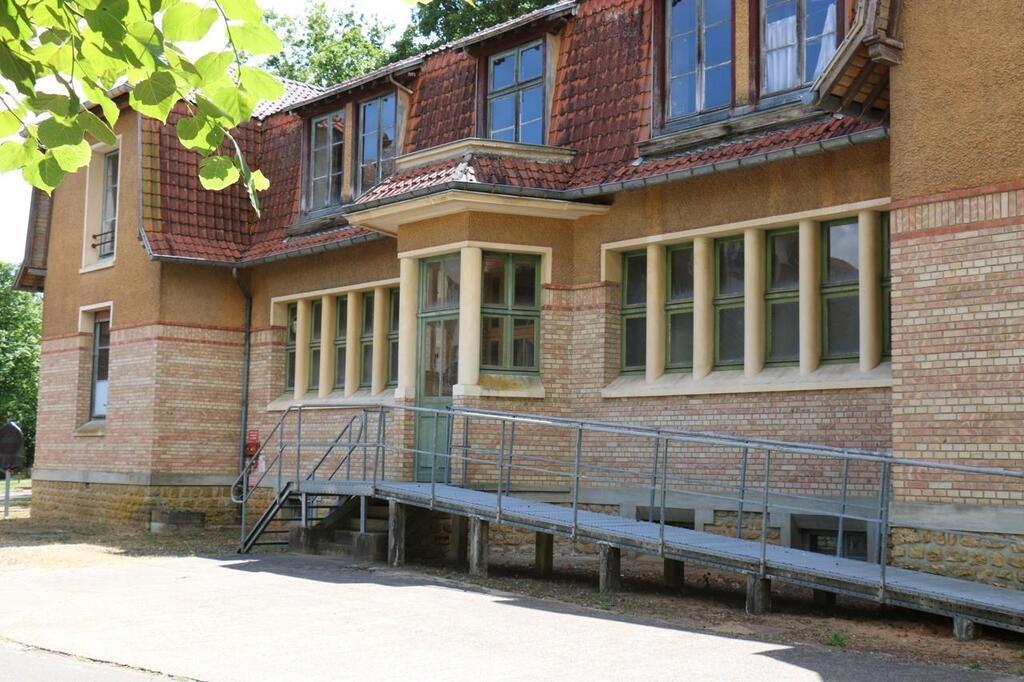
12,447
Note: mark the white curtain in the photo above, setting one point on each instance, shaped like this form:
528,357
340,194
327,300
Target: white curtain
780,55
828,42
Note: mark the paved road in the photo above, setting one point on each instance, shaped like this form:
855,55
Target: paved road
276,617
21,664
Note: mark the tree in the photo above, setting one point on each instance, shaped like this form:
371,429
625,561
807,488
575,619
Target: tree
441,21
326,47
20,317
56,54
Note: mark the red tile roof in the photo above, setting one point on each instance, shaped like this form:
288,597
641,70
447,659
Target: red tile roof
601,109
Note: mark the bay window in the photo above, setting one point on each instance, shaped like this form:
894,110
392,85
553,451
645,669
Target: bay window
782,297
840,290
340,341
515,95
634,311
799,39
886,289
699,55
366,342
728,302
510,312
393,337
679,307
316,316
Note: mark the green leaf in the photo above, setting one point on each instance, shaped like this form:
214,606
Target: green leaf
59,105
72,157
244,10
255,38
16,154
155,96
96,96
188,22
53,133
259,181
16,69
200,133
260,84
232,101
9,123
217,172
214,65
44,173
96,127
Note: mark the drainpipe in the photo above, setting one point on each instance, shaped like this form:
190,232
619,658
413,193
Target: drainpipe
246,353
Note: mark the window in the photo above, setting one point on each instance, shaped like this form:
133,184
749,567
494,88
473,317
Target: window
515,95
511,312
108,225
634,311
100,365
826,541
886,290
340,339
782,297
366,342
315,318
377,147
799,38
292,317
728,302
326,160
699,55
840,296
679,307
393,338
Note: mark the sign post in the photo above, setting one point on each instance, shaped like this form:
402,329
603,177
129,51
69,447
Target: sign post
12,456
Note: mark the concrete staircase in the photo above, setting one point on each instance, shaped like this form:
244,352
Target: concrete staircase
347,532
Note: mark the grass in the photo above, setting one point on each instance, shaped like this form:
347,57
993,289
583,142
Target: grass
18,483
837,639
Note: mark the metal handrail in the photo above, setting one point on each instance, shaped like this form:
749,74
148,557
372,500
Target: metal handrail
330,449
247,469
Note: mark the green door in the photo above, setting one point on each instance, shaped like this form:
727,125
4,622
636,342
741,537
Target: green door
438,363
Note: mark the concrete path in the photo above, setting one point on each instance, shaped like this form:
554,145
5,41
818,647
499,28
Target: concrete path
277,617
30,665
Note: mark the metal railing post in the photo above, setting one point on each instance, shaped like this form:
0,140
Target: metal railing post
433,464
465,450
743,493
379,452
764,513
245,502
654,478
298,444
302,510
664,494
840,544
883,539
511,448
280,453
448,450
576,480
501,469
366,436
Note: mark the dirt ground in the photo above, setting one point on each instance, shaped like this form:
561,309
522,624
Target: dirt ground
710,600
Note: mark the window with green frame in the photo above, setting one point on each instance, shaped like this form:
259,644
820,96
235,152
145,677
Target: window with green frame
634,311
728,302
679,307
886,289
291,320
366,342
393,337
510,311
840,290
340,341
315,318
782,297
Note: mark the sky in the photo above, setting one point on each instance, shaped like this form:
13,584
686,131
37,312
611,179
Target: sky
14,192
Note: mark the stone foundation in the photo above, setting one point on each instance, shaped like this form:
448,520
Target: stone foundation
127,505
997,560
725,524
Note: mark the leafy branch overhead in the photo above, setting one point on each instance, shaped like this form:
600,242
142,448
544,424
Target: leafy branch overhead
59,56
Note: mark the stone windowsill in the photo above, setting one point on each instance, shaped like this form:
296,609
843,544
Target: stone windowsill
360,398
526,386
92,429
769,380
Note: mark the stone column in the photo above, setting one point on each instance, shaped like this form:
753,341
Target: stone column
753,301
408,304
703,308
870,267
396,533
810,296
381,309
352,354
544,554
470,291
302,319
656,336
759,595
328,326
610,572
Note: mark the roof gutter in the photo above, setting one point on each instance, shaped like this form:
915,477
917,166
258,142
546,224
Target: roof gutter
246,263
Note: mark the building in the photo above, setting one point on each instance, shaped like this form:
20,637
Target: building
798,219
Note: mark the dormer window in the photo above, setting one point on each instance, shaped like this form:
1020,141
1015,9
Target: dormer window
327,160
699,55
377,147
799,39
515,95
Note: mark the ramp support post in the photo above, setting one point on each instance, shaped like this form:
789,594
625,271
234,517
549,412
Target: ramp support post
964,629
610,574
544,554
396,533
759,595
478,546
674,574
